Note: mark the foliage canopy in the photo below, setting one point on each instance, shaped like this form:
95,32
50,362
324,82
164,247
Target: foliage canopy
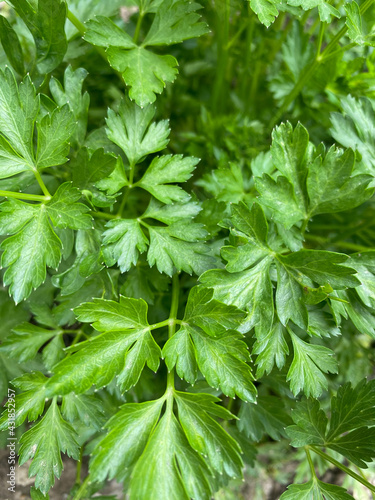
187,242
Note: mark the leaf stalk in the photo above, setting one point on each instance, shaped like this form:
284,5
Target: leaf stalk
23,196
345,469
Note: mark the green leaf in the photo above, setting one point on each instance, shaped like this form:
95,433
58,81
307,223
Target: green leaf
28,252
290,153
143,71
202,312
53,352
92,166
165,170
222,360
355,129
268,416
54,132
11,315
144,282
316,490
99,360
352,407
123,242
18,110
212,316
174,22
10,162
331,185
205,435
37,494
322,267
64,210
311,424
29,403
11,46
358,446
169,468
181,213
278,196
71,94
103,32
352,411
85,408
289,298
361,316
271,348
326,11
107,315
321,324
266,11
46,22
34,244
122,350
309,363
309,186
90,172
253,224
226,184
134,132
180,352
26,340
128,432
44,443
88,261
359,30
176,247
250,290
364,264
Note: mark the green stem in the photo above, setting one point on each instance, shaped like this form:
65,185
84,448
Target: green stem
122,204
248,57
236,36
313,26
43,187
23,196
77,23
222,55
138,26
172,324
309,459
82,490
339,244
126,195
360,471
103,215
167,322
304,225
338,51
77,337
345,469
320,38
79,467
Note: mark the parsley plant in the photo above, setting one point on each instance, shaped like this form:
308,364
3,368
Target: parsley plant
187,242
